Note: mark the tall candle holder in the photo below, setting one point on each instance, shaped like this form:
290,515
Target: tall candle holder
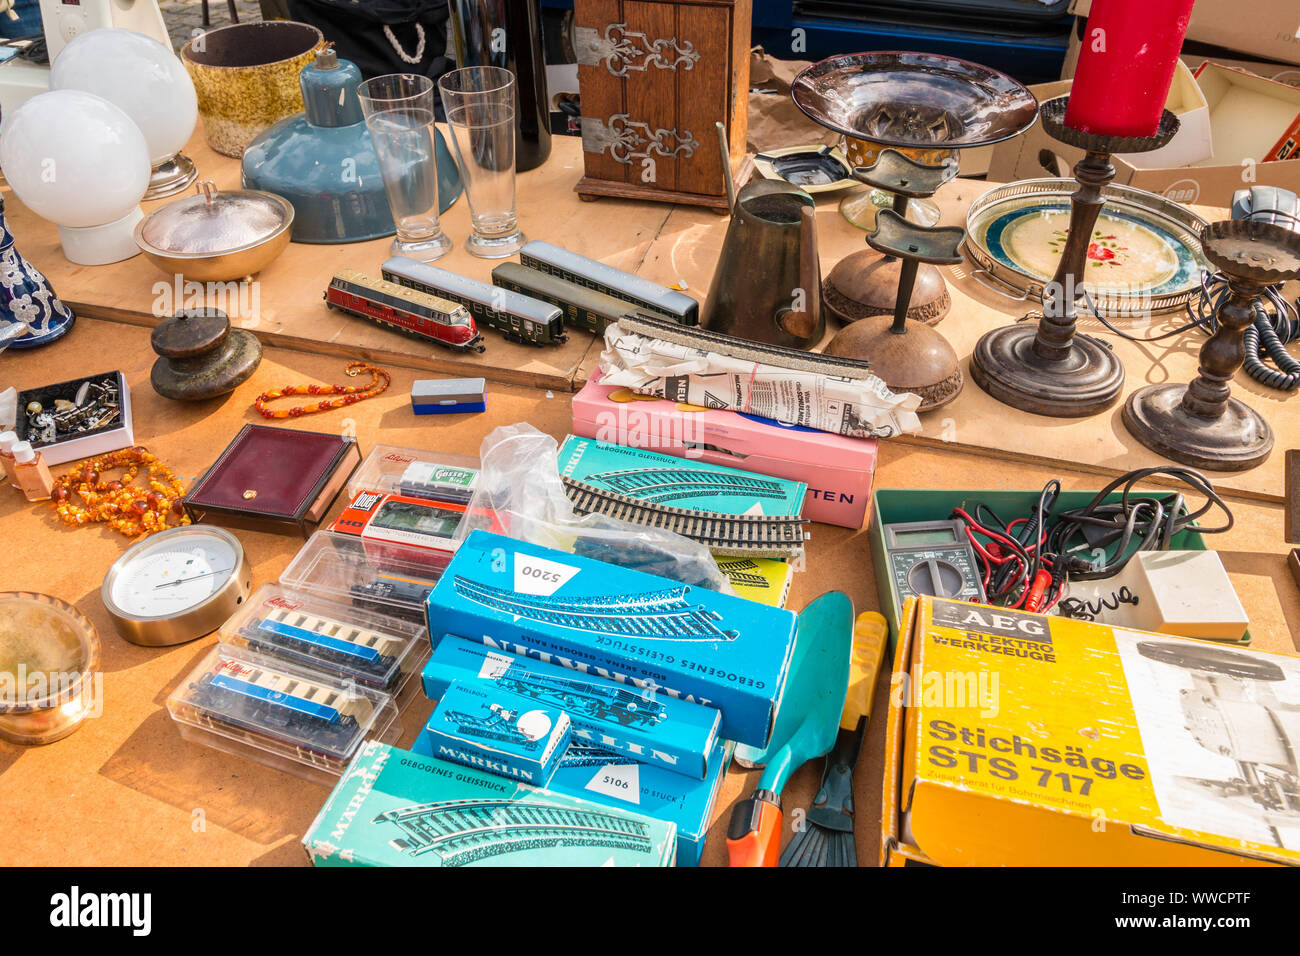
1049,369
1201,424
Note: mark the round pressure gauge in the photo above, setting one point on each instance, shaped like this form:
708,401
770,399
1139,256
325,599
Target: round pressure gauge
176,585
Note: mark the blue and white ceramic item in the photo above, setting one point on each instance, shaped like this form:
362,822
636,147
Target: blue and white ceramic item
26,298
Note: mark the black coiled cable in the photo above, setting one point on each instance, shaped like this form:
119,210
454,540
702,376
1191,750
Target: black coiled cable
1276,325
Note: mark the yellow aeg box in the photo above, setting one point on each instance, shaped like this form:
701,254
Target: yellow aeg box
1017,739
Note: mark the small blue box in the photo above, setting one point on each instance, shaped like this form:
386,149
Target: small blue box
628,626
443,396
622,785
642,725
482,726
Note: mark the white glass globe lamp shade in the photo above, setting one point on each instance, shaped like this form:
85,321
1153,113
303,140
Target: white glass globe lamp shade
147,81
79,161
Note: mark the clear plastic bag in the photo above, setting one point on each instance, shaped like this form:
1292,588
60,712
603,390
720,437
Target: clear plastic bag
520,492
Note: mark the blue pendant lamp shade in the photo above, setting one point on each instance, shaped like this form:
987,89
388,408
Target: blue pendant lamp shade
26,298
324,163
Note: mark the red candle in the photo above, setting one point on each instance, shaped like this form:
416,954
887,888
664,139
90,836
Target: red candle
1126,65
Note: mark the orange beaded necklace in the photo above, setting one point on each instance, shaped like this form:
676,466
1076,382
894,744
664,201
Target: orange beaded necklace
123,506
379,380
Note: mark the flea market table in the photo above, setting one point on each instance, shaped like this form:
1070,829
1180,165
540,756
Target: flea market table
126,789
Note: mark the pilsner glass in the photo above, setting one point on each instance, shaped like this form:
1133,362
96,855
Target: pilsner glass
479,102
399,114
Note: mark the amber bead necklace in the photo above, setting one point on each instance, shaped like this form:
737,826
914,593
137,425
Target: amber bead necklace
350,394
125,507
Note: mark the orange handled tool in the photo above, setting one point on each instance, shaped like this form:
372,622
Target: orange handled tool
804,728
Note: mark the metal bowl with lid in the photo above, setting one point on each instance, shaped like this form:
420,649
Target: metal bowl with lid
216,236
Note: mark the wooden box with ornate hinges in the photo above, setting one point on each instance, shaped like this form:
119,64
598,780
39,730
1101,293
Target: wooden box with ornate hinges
655,76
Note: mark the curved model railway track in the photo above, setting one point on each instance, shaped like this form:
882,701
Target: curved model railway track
659,485
584,698
656,615
461,832
750,536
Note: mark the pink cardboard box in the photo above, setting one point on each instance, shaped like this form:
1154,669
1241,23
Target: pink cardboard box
836,469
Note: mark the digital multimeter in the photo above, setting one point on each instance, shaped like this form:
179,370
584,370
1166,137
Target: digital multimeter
934,558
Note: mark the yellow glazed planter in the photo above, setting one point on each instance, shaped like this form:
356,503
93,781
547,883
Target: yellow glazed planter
246,77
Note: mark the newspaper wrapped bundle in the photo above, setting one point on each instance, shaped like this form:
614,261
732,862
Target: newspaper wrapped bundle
858,407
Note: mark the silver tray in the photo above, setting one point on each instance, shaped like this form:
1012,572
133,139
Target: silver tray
1157,219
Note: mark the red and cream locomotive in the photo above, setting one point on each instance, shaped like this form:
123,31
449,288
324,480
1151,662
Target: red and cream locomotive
407,310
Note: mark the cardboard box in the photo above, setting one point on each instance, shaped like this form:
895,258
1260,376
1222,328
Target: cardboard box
894,505
623,625
480,724
1016,739
836,469
394,808
644,726
664,479
765,580
1268,29
607,779
1254,117
1035,155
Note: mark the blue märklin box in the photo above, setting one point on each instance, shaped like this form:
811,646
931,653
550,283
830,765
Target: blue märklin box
479,724
641,725
395,808
607,779
635,628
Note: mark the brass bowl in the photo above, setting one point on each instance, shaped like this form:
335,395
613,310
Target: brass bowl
46,705
217,236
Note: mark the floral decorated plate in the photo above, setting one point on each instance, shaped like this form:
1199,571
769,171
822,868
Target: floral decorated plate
1145,254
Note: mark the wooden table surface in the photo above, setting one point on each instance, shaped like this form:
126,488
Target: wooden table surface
125,789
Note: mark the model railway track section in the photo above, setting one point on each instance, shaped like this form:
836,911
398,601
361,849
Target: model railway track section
750,536
461,832
658,485
584,699
665,330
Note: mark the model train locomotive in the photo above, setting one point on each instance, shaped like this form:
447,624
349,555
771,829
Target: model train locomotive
408,310
517,317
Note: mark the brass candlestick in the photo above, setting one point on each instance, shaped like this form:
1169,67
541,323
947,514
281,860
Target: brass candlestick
1201,424
1048,369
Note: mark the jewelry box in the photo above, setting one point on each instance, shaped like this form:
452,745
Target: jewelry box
273,479
98,424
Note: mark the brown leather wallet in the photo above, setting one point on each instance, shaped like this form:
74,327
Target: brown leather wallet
270,478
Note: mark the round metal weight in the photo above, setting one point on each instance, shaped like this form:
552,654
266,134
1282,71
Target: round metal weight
1086,382
201,356
920,361
865,283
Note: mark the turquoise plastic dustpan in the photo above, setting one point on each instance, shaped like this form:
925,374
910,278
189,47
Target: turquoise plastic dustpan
805,727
